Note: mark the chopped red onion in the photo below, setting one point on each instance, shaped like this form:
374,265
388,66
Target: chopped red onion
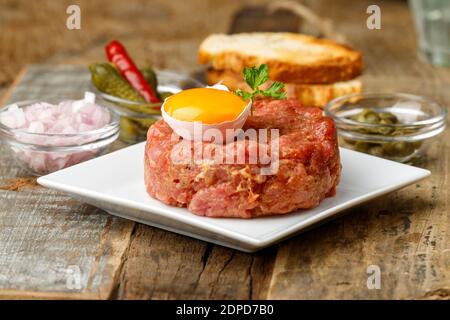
48,125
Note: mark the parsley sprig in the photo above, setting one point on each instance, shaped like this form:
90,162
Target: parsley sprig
255,77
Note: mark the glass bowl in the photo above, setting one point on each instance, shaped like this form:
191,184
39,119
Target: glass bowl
137,117
419,121
43,153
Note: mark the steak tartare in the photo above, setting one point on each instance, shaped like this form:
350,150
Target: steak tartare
309,166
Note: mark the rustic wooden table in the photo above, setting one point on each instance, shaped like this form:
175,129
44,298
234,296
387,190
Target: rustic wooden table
49,241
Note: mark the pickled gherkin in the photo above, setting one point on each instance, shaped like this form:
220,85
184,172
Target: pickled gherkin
150,77
133,127
107,79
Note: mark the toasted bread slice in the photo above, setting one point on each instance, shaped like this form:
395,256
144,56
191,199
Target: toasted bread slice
292,58
317,95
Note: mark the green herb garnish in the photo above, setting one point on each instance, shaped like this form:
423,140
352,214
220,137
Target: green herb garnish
255,77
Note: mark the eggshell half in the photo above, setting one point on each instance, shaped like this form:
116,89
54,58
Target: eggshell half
197,131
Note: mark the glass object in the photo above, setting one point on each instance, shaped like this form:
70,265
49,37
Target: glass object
44,153
419,121
432,20
136,117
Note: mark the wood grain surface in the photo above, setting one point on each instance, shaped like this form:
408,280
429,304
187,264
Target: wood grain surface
44,234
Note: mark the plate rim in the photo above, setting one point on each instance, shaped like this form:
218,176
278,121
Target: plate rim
164,210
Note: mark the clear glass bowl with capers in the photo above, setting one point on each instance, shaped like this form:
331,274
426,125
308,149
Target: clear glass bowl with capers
395,126
137,116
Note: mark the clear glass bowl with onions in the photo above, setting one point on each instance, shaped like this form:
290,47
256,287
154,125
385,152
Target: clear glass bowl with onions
395,126
52,134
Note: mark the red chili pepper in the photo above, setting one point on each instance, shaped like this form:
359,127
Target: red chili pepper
117,55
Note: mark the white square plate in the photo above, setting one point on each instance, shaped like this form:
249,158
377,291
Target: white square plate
115,183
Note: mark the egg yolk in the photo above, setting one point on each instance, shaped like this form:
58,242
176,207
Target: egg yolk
206,105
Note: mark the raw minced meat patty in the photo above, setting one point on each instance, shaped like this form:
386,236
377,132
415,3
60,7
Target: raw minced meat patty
309,166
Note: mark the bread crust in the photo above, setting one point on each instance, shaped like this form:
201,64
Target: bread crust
316,95
341,64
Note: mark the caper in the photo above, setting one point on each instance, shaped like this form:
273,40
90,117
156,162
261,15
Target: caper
398,132
385,120
377,151
385,130
399,149
372,118
366,111
366,116
388,116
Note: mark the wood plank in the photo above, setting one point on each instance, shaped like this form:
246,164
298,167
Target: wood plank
46,235
41,242
405,233
163,265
